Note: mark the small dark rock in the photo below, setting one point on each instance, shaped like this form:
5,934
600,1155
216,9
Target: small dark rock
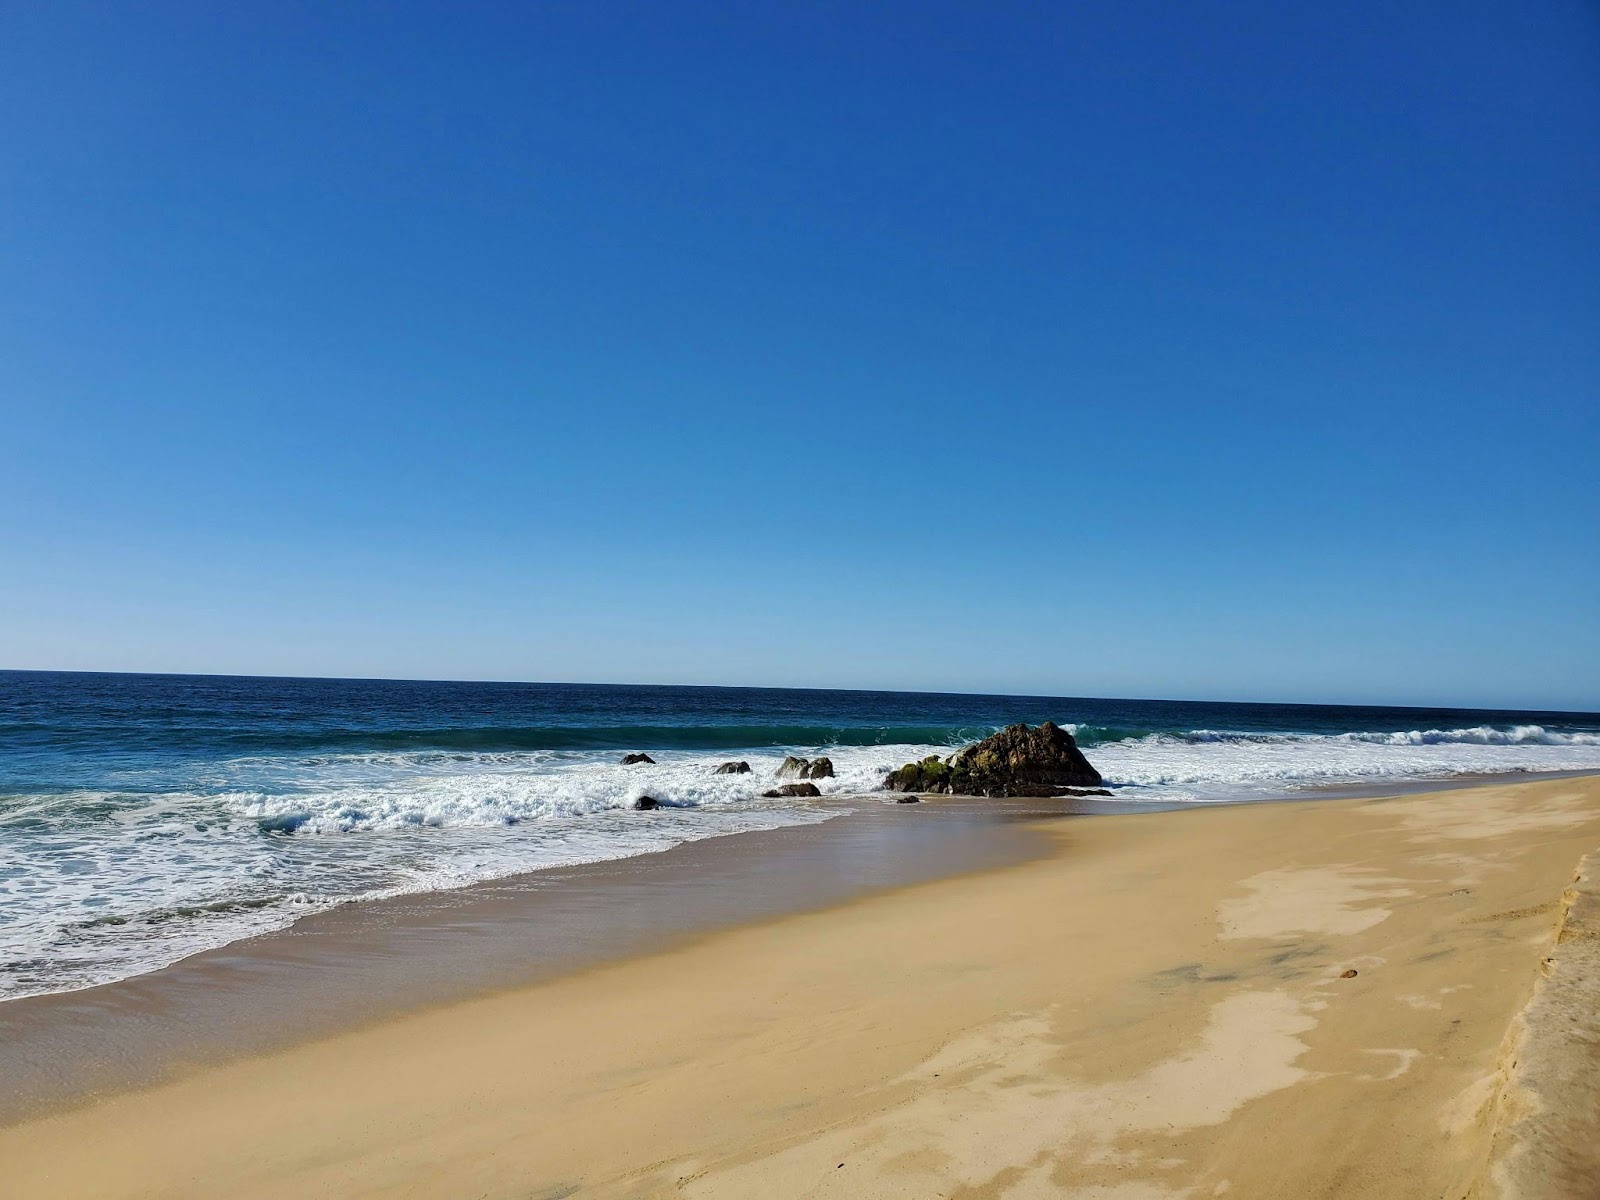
646,803
629,760
1348,974
908,800
792,789
733,768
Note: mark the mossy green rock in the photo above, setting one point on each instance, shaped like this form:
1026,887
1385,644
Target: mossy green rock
1017,761
929,775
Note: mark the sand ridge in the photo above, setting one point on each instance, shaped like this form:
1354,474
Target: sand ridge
1547,1136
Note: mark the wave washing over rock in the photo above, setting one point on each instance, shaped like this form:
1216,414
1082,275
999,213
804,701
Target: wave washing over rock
145,818
1016,761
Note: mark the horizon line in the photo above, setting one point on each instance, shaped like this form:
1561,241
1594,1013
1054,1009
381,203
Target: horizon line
790,688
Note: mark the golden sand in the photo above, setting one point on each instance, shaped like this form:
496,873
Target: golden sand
1163,1007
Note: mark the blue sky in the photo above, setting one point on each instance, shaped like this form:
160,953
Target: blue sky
1234,351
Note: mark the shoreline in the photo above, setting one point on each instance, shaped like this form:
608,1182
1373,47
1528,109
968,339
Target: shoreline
363,962
1133,1010
841,804
358,963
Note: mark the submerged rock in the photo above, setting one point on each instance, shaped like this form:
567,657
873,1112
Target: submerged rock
1017,761
629,760
646,803
908,800
805,768
792,789
733,768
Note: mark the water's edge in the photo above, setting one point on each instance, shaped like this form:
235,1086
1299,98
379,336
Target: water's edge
345,967
339,969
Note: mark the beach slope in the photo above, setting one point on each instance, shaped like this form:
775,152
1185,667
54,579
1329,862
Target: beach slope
1313,999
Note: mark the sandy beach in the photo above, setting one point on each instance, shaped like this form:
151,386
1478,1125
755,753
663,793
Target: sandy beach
1368,997
799,602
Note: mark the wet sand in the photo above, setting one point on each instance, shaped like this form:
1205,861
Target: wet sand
360,963
1329,998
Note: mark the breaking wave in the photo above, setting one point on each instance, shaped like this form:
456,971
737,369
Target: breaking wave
1478,735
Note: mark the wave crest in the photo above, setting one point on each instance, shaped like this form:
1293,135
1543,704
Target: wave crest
1479,735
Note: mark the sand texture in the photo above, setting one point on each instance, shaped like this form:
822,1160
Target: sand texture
1162,1007
1547,1141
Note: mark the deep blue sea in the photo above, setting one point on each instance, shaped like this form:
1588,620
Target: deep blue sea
147,817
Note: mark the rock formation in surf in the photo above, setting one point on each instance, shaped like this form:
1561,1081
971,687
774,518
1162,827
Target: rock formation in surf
629,760
805,768
1017,761
733,768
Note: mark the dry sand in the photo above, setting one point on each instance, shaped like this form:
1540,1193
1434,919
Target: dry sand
1162,1007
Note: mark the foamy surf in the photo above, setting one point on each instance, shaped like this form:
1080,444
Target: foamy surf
147,818
109,886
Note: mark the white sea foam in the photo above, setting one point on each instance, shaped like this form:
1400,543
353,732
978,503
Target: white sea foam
1480,735
359,794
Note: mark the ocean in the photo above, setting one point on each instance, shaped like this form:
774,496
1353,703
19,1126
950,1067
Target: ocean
144,818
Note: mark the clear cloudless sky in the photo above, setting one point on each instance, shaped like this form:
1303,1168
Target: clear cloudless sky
1219,350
